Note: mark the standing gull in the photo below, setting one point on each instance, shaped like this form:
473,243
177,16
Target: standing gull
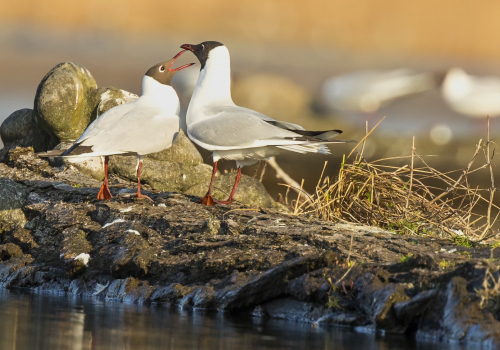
473,96
215,123
147,125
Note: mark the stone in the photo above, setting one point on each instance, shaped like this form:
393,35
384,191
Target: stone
377,299
12,194
161,175
9,250
109,97
273,95
250,190
211,226
463,319
408,310
182,151
75,249
20,129
64,101
174,169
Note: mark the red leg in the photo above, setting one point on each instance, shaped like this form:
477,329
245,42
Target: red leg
104,192
139,194
233,191
208,199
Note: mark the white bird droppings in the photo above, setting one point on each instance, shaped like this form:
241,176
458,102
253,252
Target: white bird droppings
126,210
133,231
84,258
113,222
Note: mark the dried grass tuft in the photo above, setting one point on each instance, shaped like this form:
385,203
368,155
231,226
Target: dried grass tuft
406,199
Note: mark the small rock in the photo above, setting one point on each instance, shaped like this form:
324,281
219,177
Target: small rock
12,194
349,319
408,310
376,299
20,129
250,190
9,250
64,101
211,226
109,97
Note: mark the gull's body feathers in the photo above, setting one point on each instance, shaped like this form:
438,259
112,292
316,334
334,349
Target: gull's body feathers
149,124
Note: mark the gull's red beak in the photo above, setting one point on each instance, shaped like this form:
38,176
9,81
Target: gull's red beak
181,67
187,47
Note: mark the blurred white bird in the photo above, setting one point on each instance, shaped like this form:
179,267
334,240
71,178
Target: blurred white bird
367,91
470,95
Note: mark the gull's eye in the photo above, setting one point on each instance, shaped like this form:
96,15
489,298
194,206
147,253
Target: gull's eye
161,69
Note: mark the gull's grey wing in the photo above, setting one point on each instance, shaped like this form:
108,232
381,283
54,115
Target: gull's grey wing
106,121
228,130
212,111
324,135
138,131
235,128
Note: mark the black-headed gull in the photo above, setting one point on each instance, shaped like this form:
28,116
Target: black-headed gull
369,90
147,125
470,95
232,132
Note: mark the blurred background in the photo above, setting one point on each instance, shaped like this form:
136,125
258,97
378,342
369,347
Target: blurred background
322,64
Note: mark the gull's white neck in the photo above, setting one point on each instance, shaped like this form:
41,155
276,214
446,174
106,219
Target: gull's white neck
213,86
159,95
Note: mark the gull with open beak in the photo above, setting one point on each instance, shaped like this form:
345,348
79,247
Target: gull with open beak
215,123
147,125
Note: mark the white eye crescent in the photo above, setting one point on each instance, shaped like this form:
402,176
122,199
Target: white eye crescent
202,46
161,69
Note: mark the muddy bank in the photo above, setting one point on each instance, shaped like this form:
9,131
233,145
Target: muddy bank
54,237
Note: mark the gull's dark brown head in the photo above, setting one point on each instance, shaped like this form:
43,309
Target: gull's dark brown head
202,50
163,72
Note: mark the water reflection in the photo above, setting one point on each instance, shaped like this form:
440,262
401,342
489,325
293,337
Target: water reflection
49,322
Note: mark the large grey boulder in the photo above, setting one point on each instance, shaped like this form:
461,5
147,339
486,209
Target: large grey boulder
64,101
174,169
182,151
21,129
250,190
161,175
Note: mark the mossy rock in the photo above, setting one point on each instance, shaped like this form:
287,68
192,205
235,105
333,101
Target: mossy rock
64,101
161,175
20,129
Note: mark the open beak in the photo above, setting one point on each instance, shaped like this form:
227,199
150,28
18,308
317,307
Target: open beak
181,67
188,47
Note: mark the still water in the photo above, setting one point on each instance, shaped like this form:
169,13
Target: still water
29,321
